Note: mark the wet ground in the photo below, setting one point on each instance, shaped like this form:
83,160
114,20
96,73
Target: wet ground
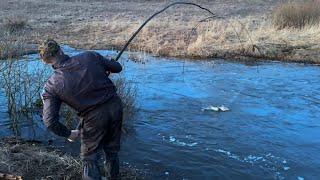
270,132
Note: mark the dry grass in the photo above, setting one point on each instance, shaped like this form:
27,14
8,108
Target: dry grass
240,37
101,25
296,15
36,161
255,37
33,161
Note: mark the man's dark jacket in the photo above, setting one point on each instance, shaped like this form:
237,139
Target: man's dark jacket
81,82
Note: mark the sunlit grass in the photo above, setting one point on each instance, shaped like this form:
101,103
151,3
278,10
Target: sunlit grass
296,15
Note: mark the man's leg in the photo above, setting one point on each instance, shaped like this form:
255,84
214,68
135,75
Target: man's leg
111,148
90,151
111,142
112,165
90,167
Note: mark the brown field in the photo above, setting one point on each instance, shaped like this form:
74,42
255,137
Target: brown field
245,30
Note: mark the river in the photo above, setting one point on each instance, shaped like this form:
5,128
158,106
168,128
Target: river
272,130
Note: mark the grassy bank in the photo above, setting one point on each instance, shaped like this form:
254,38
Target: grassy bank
247,30
32,160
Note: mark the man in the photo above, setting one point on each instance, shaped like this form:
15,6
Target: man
82,83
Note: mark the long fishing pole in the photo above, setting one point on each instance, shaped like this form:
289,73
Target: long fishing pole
79,126
154,15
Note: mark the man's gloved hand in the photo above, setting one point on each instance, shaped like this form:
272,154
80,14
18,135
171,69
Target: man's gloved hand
110,59
74,135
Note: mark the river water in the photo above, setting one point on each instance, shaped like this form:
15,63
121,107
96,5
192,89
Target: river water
272,130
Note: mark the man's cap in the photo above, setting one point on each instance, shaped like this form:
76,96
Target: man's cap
48,48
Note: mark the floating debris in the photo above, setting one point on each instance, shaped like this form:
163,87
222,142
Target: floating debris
286,168
211,108
223,108
216,108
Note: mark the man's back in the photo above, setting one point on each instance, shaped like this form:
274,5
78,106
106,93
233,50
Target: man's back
82,82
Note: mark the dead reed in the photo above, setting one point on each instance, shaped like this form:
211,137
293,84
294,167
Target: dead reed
296,14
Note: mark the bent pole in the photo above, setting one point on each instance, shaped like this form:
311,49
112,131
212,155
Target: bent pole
155,14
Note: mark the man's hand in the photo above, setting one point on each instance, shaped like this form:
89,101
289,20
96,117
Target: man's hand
74,135
112,65
110,58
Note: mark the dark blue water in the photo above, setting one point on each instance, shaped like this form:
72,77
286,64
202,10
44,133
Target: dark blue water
272,130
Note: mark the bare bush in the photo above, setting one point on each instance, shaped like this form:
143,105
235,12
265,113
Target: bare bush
10,45
15,45
296,15
128,95
22,82
15,24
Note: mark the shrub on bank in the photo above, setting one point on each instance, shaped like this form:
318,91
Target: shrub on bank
296,15
128,94
14,24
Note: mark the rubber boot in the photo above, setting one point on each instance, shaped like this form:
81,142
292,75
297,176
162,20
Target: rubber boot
91,169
